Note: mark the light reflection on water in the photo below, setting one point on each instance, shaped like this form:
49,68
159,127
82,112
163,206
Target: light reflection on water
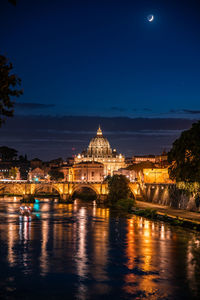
91,252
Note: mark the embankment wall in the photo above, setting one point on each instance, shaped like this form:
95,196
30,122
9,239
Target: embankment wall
170,195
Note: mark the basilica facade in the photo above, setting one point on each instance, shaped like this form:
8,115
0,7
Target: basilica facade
99,150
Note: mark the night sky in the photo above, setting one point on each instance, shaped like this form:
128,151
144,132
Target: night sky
101,60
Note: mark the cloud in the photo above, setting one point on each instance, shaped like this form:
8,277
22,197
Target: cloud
48,137
122,109
184,111
32,106
90,123
147,109
193,112
119,109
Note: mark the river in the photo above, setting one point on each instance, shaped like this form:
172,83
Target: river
82,251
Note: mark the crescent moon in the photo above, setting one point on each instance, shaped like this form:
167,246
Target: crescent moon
151,18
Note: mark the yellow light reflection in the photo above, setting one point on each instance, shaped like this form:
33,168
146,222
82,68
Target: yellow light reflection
44,255
143,248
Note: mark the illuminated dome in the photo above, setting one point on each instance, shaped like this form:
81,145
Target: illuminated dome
99,150
99,146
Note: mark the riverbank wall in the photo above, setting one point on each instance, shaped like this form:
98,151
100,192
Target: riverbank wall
170,195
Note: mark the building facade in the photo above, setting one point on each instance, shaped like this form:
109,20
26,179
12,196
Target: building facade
143,158
88,172
130,174
156,176
99,150
37,174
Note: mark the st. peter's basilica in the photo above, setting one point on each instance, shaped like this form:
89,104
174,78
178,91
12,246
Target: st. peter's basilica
99,150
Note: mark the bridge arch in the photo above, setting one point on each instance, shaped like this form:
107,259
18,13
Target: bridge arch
11,189
134,189
84,185
49,189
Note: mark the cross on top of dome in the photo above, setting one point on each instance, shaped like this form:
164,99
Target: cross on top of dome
99,132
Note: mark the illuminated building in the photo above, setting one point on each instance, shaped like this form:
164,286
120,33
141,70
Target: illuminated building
130,174
36,173
144,158
99,150
88,171
156,176
158,159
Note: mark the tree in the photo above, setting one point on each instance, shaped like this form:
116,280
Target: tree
13,172
140,166
118,188
7,154
23,158
185,156
56,175
8,89
14,2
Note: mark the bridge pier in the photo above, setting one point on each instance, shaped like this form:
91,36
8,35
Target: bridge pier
28,198
102,198
66,197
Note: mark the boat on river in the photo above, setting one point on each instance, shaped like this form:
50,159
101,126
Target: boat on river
25,210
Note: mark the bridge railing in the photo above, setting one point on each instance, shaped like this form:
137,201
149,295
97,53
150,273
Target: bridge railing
49,182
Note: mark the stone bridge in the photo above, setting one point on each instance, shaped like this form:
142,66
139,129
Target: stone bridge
64,189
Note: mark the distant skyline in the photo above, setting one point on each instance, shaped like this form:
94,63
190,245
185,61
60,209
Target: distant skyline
103,59
48,137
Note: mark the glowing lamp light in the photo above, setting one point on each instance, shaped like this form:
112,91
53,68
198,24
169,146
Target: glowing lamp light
36,206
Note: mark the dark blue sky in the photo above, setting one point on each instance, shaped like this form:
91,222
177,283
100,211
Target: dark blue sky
103,58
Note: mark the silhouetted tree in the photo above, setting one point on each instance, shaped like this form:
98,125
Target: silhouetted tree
14,2
56,175
185,156
118,188
8,90
23,158
7,154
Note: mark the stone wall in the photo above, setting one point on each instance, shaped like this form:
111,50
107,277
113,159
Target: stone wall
170,195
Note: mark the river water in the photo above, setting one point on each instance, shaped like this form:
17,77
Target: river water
82,251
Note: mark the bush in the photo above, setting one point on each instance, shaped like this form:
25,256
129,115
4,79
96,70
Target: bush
125,204
118,187
148,213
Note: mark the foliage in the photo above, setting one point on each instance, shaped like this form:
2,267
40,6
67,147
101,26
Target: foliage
13,172
125,204
148,213
107,179
57,160
56,175
192,187
14,2
140,166
177,221
8,84
185,156
7,154
23,158
118,188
